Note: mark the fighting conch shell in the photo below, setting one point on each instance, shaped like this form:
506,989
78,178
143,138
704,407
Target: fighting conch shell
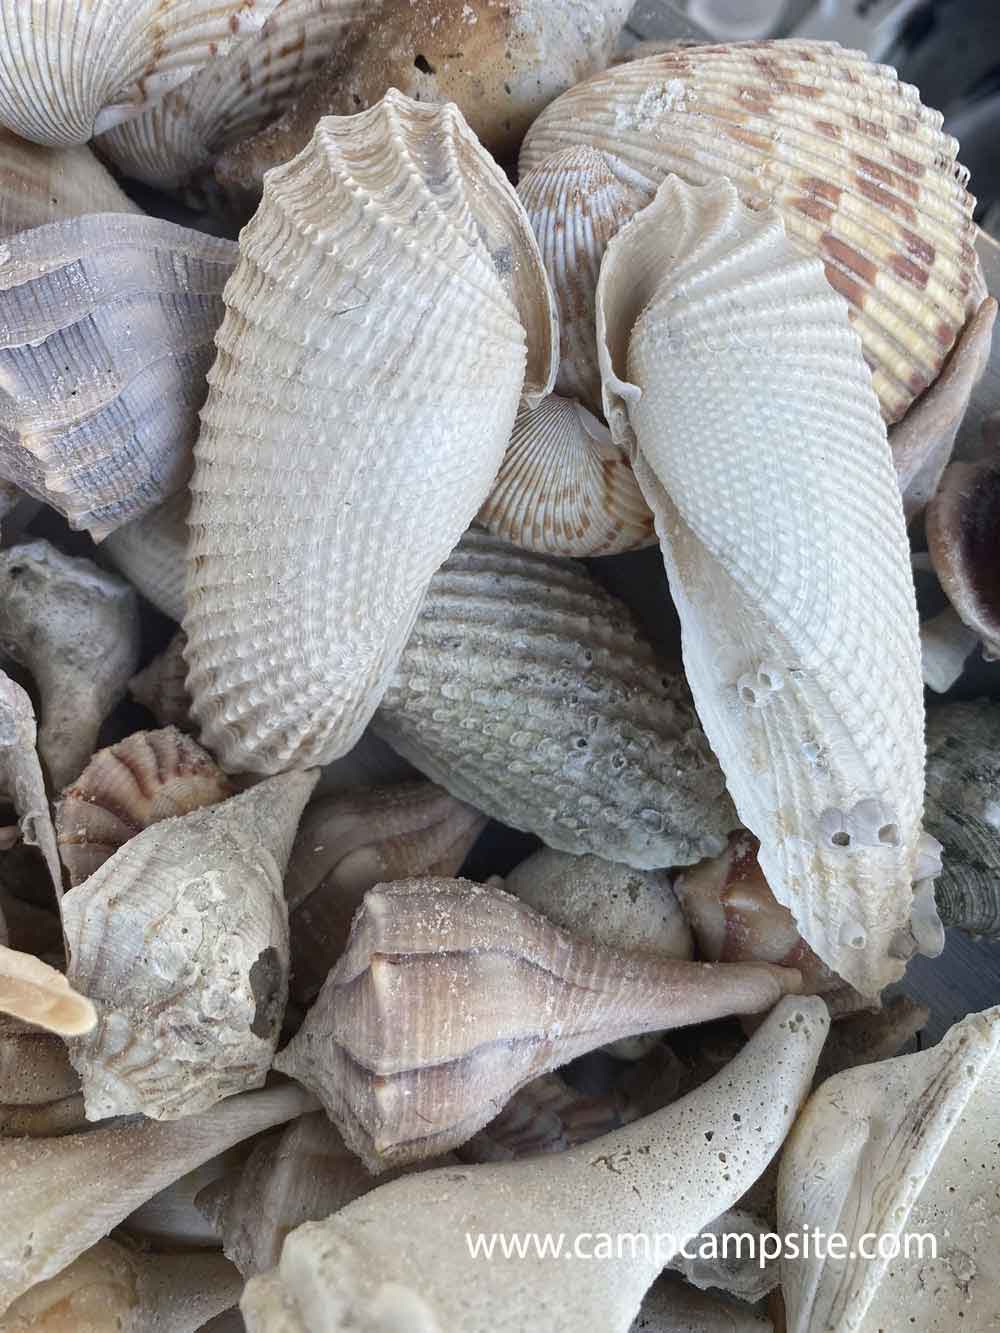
856,167
666,1176
40,185
37,993
389,290
450,996
731,370
181,939
909,1145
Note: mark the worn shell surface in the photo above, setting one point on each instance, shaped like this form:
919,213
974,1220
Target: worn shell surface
150,551
531,693
21,779
161,686
450,996
908,1145
732,371
181,939
857,168
963,537
669,1174
106,336
34,1065
40,185
564,487
65,76
389,291
149,776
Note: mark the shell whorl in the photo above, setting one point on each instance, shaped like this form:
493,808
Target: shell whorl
389,291
731,367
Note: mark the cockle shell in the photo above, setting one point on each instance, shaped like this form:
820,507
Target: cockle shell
181,939
63,1195
910,1145
672,1306
335,355
149,776
66,77
668,1174
105,338
730,369
857,168
111,1287
564,487
161,686
499,63
963,537
150,551
346,845
76,629
962,810
529,692
450,996
37,993
21,778
40,185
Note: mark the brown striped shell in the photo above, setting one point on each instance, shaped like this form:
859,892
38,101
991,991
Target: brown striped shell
857,167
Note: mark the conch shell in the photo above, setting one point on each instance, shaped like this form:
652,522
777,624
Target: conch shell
21,777
346,845
33,991
161,686
908,1145
66,77
963,536
105,338
149,776
181,938
730,369
856,167
61,1196
40,185
667,1175
530,693
335,355
150,551
450,996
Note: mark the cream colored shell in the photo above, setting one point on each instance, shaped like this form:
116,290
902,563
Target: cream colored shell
40,185
33,991
857,168
150,552
389,298
731,369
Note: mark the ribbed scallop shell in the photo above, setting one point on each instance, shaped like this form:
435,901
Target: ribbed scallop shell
181,940
576,203
151,551
732,369
388,304
161,687
106,334
529,692
858,169
40,185
149,776
564,487
68,71
963,537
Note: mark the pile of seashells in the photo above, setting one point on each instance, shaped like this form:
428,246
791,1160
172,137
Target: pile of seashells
309,573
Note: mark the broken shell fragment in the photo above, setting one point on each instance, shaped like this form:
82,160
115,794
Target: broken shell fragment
161,686
963,537
858,170
669,1174
349,843
76,629
793,648
181,939
450,996
150,552
40,185
529,692
105,339
946,643
37,993
336,354
21,778
149,776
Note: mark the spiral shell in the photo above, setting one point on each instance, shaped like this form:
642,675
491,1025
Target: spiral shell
963,537
181,938
564,487
40,185
856,167
731,369
530,693
389,297
65,77
150,552
149,776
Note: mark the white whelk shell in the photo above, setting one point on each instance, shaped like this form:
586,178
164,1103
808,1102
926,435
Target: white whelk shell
33,991
336,353
731,369
161,686
564,487
963,537
181,939
40,185
63,1195
106,336
150,552
909,1145
668,1174
64,79
21,777
76,629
